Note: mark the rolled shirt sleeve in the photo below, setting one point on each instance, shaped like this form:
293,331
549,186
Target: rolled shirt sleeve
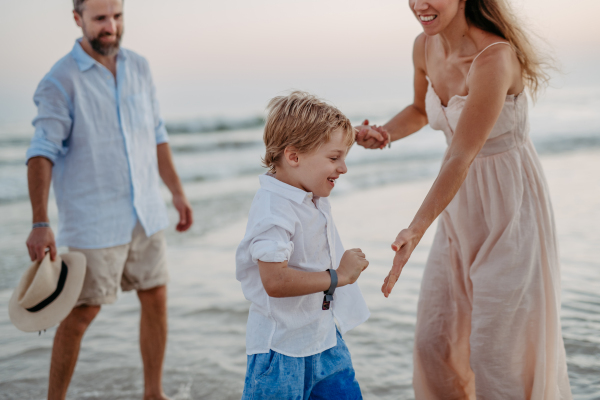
53,121
161,132
160,129
273,245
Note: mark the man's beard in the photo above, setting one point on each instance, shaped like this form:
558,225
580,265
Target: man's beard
106,49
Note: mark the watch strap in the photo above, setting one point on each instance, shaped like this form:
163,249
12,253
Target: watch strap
329,292
334,282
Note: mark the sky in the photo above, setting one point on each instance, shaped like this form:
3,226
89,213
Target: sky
229,57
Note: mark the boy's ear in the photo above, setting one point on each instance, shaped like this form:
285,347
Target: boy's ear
290,156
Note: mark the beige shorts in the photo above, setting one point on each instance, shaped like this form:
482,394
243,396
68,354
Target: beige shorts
138,265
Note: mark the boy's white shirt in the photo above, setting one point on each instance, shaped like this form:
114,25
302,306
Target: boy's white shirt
285,224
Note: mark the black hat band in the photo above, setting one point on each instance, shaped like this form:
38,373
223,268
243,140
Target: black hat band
59,288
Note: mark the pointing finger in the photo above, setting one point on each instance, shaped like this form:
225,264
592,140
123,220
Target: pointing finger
392,279
385,281
399,262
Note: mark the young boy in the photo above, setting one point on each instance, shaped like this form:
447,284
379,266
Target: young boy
292,254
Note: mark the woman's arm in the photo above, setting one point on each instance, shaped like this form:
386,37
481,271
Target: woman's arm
413,117
492,78
409,120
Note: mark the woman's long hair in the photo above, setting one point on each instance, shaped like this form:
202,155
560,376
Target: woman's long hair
496,16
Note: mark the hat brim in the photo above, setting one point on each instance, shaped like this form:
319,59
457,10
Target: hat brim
57,310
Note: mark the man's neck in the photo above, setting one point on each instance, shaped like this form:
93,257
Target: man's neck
110,62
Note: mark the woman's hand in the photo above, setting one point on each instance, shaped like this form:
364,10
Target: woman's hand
405,243
372,136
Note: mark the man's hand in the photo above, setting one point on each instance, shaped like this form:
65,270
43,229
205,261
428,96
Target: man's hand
167,172
352,264
372,136
38,241
186,218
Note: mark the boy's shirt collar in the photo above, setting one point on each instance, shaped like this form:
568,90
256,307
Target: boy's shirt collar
272,184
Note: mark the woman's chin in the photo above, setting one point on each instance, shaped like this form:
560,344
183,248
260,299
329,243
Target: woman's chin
430,30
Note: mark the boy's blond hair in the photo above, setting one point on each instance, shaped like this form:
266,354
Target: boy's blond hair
302,121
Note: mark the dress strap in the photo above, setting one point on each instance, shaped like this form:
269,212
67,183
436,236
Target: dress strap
473,62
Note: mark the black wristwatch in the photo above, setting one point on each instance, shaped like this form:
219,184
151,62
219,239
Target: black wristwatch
329,292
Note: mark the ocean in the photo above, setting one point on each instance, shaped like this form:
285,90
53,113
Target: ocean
219,163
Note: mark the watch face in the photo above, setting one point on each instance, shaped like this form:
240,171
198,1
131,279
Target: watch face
326,303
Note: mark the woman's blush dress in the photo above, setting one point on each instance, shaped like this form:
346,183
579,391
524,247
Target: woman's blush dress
488,323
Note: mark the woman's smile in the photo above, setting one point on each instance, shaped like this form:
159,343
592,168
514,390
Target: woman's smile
427,19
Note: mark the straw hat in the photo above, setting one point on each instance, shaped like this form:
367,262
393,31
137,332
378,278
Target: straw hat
47,292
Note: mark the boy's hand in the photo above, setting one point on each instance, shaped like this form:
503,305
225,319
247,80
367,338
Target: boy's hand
353,262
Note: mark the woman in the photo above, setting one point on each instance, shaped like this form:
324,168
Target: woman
488,316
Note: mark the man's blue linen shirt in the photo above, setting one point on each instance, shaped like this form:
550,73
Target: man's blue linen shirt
101,136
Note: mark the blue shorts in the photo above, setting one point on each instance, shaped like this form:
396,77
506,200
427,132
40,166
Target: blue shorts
327,375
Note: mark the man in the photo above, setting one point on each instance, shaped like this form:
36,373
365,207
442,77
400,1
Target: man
99,136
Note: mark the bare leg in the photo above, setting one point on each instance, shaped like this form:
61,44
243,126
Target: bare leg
66,349
153,339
